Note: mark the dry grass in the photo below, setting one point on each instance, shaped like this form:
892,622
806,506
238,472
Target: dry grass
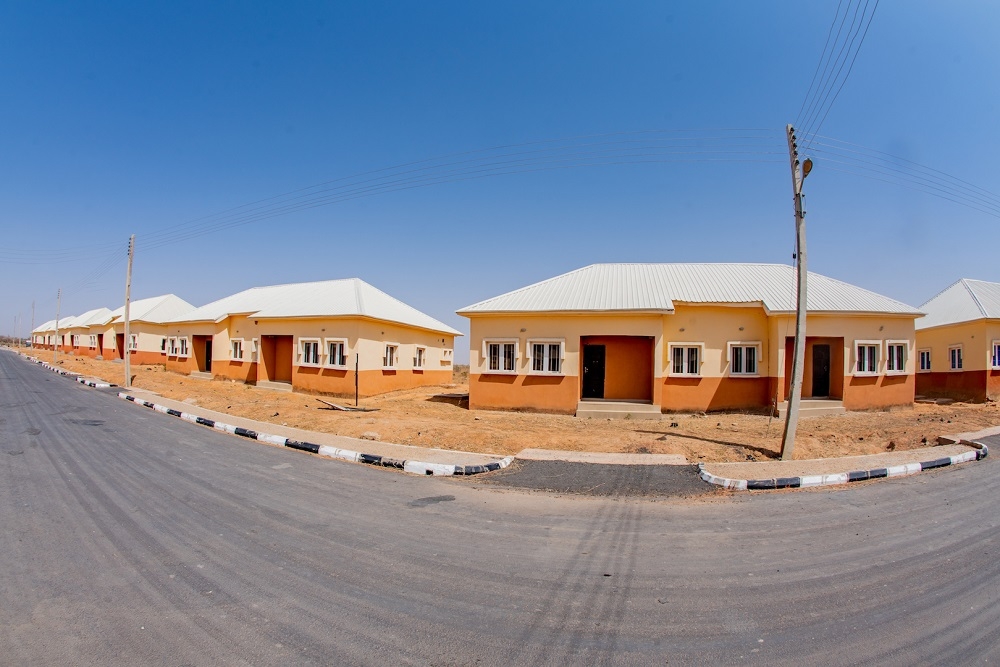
424,417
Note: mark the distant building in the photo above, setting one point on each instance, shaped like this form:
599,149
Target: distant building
958,343
686,337
319,336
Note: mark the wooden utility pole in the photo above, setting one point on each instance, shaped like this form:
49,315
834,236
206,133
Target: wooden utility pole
799,173
128,299
55,347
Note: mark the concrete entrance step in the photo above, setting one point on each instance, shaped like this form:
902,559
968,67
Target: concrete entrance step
814,407
617,410
275,386
201,375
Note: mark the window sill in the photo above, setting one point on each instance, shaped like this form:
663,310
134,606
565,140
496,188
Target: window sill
499,372
866,375
895,373
684,375
389,368
309,366
547,374
748,376
336,367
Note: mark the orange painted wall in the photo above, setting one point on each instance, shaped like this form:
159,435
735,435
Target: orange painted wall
628,366
531,393
683,394
880,391
370,383
993,385
241,371
145,358
960,385
181,364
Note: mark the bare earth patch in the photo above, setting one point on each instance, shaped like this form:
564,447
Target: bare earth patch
424,417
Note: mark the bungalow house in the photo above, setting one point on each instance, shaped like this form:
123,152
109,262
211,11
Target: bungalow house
44,335
958,343
327,337
147,329
686,337
84,332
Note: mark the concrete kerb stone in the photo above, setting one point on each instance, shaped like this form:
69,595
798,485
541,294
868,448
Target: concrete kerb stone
327,451
76,376
980,452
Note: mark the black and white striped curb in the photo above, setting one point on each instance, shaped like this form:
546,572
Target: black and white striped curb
415,467
75,376
981,452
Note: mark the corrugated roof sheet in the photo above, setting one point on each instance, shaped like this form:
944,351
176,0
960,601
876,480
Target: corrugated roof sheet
155,310
94,317
328,298
657,287
964,301
50,326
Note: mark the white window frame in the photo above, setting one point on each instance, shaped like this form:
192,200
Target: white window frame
185,347
330,362
995,354
744,345
686,359
233,342
501,342
419,357
889,344
390,364
547,344
303,342
76,340
133,341
254,350
877,344
951,358
920,360
93,342
172,346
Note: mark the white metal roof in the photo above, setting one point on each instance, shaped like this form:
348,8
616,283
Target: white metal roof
964,301
328,298
95,317
155,310
657,287
64,322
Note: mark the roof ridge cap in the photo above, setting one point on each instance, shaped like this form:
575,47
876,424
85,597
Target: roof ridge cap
972,293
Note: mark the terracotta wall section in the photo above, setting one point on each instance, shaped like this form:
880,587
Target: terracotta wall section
961,386
370,383
879,391
628,366
703,394
241,371
530,393
145,358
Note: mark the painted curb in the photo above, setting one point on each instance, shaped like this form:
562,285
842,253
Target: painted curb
328,451
75,376
805,481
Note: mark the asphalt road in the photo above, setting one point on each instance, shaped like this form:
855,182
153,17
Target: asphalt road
129,537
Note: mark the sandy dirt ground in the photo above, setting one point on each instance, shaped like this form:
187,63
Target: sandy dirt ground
433,417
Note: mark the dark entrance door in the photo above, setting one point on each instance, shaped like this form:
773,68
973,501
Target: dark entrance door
208,355
821,370
593,371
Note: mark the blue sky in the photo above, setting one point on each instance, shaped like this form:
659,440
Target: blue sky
125,118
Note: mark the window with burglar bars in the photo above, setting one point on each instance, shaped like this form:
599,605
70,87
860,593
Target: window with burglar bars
501,356
743,358
310,352
866,362
895,358
389,359
546,356
685,359
336,353
925,360
955,357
